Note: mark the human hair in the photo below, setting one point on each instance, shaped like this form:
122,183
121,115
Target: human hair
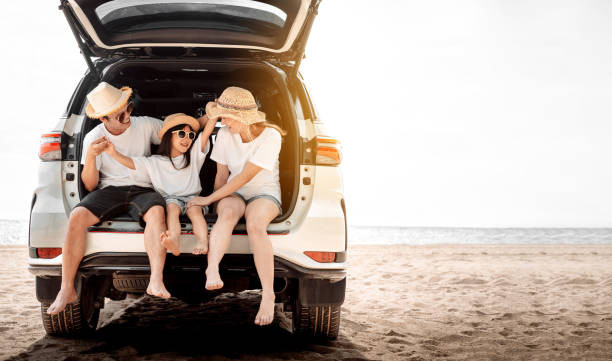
262,125
165,147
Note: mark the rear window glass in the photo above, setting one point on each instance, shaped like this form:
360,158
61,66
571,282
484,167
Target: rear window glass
244,16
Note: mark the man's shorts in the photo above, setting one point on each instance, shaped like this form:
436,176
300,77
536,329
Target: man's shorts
111,201
182,202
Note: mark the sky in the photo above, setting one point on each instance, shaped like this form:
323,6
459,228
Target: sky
451,114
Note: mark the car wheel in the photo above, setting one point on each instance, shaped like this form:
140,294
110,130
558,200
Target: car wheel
316,321
77,318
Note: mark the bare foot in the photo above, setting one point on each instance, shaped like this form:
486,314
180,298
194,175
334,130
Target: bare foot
201,247
169,243
157,289
266,310
213,280
64,297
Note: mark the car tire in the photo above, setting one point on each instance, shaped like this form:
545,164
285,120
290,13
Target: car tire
316,321
78,318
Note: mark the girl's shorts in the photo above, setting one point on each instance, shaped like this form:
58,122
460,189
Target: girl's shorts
182,202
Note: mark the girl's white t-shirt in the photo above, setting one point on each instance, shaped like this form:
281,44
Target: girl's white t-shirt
262,151
170,181
135,141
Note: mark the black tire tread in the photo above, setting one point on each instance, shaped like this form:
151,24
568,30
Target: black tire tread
318,321
67,322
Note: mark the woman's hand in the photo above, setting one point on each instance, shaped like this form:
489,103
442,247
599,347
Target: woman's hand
199,201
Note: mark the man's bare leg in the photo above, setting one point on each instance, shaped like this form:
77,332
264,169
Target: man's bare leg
259,214
155,225
229,211
72,253
171,240
200,229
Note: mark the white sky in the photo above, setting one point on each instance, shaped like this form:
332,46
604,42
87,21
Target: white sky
471,113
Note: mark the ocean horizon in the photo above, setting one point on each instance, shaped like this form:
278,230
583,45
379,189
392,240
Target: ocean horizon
15,232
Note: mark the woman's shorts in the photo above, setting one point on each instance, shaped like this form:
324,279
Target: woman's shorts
257,196
110,201
182,202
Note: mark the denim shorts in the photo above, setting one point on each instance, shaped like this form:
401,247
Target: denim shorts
182,202
110,201
257,196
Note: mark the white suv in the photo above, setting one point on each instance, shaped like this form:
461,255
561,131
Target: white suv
177,56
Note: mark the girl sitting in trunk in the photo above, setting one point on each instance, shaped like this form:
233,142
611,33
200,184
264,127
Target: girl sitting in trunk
247,183
175,174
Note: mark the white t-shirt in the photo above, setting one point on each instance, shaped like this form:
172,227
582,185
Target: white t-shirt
134,142
170,181
262,151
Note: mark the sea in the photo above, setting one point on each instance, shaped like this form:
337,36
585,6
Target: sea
15,232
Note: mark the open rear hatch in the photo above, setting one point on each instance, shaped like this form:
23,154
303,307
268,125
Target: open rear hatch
273,29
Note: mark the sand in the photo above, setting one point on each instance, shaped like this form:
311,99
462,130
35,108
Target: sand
550,302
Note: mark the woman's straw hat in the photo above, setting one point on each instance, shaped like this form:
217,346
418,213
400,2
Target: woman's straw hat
105,99
238,104
175,119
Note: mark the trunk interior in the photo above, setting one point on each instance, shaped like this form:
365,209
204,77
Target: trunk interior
165,87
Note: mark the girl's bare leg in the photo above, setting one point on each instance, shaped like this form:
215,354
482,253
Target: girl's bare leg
200,229
259,214
229,211
172,238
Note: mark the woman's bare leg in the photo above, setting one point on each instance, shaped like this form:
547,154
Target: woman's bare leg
259,214
229,211
172,238
200,229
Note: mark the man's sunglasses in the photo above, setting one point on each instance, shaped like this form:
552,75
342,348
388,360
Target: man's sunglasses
181,134
124,115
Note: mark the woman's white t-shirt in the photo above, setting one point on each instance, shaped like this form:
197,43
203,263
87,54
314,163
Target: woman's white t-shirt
135,141
170,181
262,151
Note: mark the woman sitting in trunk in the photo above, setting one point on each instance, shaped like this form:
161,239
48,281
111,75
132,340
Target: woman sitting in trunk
174,173
247,183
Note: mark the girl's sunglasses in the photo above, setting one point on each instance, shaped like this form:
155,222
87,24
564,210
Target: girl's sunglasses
123,117
181,134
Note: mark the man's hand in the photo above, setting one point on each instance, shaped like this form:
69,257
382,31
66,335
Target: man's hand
199,201
97,147
110,148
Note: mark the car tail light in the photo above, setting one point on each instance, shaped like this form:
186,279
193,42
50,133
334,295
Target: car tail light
48,252
50,146
328,151
321,257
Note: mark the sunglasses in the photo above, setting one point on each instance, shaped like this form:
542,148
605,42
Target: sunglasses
124,115
181,134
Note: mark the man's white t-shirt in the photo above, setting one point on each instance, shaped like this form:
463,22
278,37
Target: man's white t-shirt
170,181
262,151
134,142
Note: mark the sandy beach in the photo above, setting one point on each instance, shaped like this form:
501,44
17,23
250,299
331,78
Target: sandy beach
549,302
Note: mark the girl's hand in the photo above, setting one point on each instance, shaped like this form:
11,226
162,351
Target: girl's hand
206,122
199,201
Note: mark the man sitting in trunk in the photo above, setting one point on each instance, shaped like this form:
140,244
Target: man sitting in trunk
116,192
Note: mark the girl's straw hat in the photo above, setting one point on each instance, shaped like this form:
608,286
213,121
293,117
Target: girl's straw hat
236,103
105,99
175,119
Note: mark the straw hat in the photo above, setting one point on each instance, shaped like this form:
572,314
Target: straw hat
236,103
105,99
175,119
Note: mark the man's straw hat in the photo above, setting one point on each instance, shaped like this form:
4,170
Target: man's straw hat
175,119
105,99
236,103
